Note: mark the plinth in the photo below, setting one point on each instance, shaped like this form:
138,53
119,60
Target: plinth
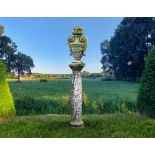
76,120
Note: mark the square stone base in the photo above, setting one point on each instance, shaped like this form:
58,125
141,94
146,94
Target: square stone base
76,124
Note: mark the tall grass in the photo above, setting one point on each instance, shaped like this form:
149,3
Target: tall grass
29,105
53,97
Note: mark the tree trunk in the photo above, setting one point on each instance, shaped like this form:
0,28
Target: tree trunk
137,76
18,76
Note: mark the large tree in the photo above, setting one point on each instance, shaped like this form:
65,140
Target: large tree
7,50
15,61
105,51
23,64
124,53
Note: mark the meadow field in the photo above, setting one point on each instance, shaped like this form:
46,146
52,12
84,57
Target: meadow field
43,110
99,97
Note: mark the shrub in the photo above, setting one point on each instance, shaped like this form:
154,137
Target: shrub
107,79
43,80
11,76
146,95
7,107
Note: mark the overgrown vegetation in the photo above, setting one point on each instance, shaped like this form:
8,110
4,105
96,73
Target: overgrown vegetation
146,96
99,97
28,105
6,101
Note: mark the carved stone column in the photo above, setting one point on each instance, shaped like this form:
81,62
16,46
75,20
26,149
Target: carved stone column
77,44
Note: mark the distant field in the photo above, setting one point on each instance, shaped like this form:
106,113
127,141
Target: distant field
54,97
93,88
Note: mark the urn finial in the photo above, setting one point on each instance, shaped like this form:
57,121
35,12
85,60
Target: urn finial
77,43
77,30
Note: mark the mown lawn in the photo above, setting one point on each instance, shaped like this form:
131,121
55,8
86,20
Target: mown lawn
110,125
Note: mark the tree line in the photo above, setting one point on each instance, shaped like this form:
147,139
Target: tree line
124,54
16,62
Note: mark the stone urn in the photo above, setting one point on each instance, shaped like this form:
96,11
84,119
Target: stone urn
77,44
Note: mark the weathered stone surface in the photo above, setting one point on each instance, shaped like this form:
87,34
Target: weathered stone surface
76,96
77,44
77,66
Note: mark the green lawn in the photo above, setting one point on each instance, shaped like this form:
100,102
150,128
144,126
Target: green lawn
111,125
125,124
94,88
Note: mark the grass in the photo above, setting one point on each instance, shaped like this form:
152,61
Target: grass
54,97
35,97
110,125
94,88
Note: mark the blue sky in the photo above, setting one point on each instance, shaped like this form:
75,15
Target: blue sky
45,40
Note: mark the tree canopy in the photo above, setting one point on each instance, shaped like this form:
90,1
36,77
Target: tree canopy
15,61
23,64
124,53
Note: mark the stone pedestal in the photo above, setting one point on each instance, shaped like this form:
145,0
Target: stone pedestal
76,120
77,44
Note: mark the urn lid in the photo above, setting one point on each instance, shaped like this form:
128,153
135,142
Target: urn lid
77,30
